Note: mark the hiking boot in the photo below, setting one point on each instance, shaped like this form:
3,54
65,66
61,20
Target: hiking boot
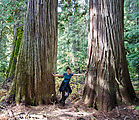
63,103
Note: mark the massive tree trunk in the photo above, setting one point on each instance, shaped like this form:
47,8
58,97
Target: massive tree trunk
34,83
108,82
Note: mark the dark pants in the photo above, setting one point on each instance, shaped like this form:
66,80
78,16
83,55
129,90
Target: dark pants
65,94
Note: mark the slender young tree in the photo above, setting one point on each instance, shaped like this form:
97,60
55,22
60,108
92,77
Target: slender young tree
17,41
33,82
108,82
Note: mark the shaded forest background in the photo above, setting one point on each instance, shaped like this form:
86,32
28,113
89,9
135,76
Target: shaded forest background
73,18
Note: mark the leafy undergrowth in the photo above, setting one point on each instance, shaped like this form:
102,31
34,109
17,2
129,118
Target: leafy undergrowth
73,110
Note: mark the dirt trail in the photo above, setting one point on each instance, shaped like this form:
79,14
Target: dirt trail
74,110
48,112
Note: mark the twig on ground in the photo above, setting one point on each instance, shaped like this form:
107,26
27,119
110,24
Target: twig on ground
27,114
2,107
11,114
118,113
126,117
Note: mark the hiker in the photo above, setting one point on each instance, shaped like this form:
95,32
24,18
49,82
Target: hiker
65,86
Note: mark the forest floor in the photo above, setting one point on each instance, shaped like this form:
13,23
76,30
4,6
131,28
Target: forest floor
74,109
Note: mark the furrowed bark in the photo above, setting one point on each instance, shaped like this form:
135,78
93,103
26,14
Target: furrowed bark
37,56
108,81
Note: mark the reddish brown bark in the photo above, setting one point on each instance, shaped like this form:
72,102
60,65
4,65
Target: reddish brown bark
108,81
37,57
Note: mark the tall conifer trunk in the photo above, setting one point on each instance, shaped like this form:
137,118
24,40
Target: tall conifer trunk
108,81
36,62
